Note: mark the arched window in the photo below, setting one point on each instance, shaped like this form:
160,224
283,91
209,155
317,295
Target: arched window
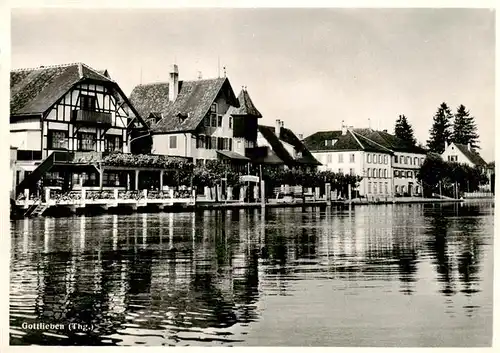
375,173
368,173
396,173
415,161
410,175
402,189
368,158
380,173
385,173
395,159
369,187
396,188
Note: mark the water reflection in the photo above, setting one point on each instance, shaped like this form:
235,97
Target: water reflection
209,277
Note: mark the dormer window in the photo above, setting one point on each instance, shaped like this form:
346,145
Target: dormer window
327,142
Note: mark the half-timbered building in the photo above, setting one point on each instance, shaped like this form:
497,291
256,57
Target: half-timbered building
59,113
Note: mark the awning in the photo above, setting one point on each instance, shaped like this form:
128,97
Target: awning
233,156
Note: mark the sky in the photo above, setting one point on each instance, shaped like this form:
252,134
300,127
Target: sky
311,68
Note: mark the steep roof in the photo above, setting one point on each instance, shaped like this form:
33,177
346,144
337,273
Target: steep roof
33,91
390,141
289,137
474,157
246,106
193,102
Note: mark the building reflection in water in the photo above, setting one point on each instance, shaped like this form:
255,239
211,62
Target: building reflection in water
191,277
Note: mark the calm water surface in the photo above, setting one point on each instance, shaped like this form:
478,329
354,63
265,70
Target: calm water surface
390,275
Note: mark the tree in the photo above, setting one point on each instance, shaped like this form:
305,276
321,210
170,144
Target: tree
404,130
464,128
440,131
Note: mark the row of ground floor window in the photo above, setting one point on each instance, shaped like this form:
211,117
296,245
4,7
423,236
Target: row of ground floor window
383,188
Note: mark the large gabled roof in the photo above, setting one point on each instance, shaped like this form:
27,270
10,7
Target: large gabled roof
362,140
474,157
289,137
34,91
192,103
316,141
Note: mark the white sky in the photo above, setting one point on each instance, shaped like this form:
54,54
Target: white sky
311,68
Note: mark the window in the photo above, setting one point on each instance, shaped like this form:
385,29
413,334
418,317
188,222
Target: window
329,158
230,122
327,142
369,187
375,173
219,121
200,141
395,159
386,188
351,171
421,161
374,158
208,142
396,173
368,158
114,143
380,159
58,139
396,189
386,159
415,161
86,141
173,141
213,108
452,158
402,189
214,143
410,175
368,173
207,121
351,157
410,161
220,143
87,102
374,188
341,158
385,173
213,119
380,188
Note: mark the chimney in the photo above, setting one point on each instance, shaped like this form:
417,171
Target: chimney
277,128
301,137
468,146
445,145
173,84
344,128
385,130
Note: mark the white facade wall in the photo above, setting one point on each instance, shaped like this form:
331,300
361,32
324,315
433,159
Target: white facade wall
458,156
182,146
405,171
377,181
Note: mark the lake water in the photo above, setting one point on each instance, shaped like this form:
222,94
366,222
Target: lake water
387,275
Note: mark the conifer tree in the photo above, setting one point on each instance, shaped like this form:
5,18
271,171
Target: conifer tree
441,129
404,130
464,128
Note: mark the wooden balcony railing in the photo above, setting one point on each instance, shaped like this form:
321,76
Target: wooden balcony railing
91,117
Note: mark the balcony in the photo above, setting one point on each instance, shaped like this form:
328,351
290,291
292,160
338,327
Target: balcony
88,117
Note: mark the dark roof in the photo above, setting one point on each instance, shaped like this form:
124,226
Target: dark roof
316,141
34,91
233,155
371,140
246,106
289,137
193,102
474,157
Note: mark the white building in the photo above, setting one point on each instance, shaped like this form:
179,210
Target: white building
387,164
